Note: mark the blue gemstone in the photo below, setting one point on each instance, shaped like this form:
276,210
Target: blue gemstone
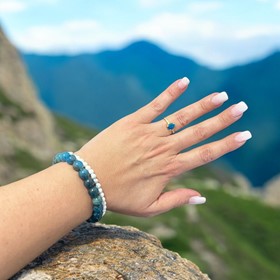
84,174
97,201
64,156
93,192
78,165
70,159
89,183
171,126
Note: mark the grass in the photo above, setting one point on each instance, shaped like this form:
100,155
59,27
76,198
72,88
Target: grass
15,111
241,233
69,130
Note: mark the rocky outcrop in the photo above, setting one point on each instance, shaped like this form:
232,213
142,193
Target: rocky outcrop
105,252
271,193
25,124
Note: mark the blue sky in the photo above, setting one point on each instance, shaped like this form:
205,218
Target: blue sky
215,33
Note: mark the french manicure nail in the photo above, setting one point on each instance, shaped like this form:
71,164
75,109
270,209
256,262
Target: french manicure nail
197,200
183,83
243,136
219,98
239,109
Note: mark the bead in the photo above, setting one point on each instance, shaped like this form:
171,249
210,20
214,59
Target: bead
84,175
97,201
93,192
70,160
78,165
89,183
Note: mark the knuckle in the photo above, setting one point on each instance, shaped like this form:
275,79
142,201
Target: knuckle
224,118
200,132
157,106
204,105
170,91
206,154
182,119
173,169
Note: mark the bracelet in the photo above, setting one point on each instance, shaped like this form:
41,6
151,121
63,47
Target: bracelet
90,182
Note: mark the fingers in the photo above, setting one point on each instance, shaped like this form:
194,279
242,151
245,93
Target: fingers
149,112
209,152
199,132
188,114
175,198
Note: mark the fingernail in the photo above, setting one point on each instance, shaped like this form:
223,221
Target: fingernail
219,98
183,83
243,136
239,109
197,200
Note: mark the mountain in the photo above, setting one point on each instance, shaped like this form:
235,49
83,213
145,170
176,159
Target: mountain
26,126
29,133
97,89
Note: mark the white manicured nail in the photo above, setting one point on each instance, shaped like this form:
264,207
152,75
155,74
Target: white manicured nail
243,136
239,109
183,83
197,200
219,98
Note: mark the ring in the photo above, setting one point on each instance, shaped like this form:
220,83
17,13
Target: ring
170,126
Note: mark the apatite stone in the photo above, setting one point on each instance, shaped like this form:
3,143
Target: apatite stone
171,126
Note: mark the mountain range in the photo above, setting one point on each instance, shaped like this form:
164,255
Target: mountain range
97,89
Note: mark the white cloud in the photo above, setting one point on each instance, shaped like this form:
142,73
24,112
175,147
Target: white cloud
154,3
11,6
178,27
256,31
70,37
202,7
277,5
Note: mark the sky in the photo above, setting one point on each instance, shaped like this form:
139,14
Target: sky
215,33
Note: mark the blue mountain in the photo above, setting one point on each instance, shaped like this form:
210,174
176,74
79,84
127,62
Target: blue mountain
97,89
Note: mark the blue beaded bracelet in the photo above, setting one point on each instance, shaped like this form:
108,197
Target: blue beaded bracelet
90,182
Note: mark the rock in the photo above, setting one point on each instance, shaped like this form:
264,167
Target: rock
109,252
25,124
271,192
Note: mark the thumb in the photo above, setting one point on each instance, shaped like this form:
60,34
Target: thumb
175,198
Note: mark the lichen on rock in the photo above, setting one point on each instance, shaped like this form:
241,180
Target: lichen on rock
109,252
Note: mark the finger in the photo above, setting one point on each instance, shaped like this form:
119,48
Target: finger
175,198
209,152
199,132
188,114
156,107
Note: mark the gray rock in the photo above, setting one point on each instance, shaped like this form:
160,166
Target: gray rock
25,123
110,252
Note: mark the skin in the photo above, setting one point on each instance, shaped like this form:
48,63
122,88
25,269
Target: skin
134,160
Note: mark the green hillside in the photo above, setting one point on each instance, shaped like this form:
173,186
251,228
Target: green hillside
228,238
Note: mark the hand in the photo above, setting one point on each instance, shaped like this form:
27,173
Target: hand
135,158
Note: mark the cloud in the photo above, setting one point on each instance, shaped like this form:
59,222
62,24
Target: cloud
69,37
277,5
202,7
171,26
154,3
208,41
12,6
264,30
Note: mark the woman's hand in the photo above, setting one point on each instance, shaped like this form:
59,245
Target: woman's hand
135,158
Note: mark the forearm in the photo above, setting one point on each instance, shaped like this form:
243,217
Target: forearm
36,212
